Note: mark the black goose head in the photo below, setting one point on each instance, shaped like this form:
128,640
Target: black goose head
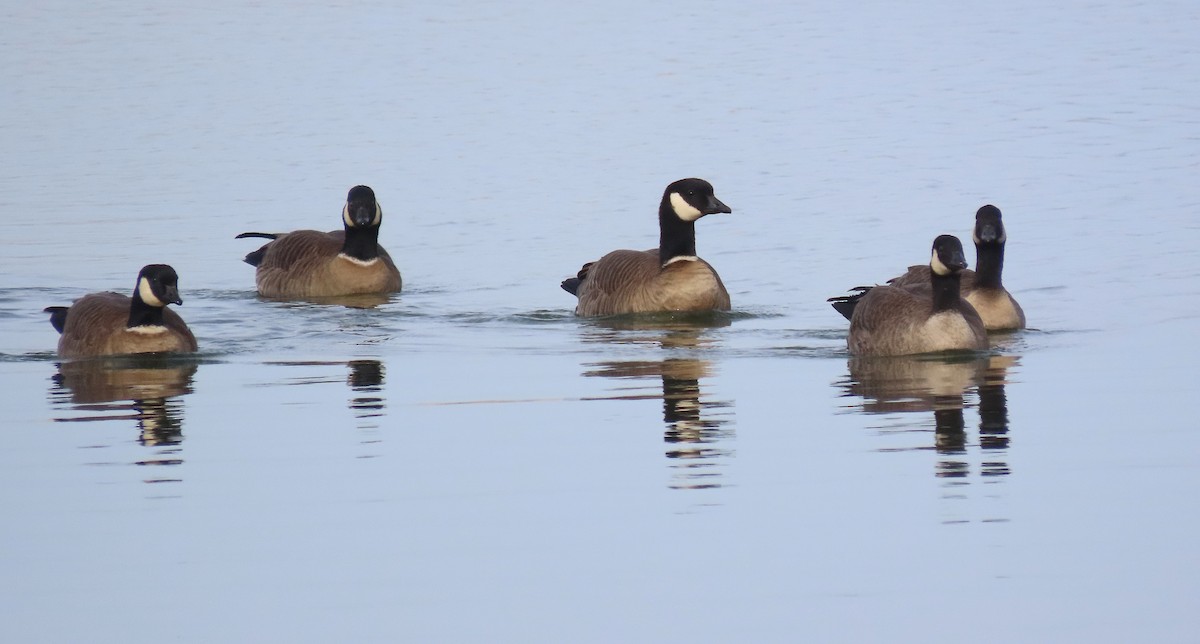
158,286
691,199
947,257
989,230
361,209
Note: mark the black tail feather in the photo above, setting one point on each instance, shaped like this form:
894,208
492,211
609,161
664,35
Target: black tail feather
255,258
845,304
58,317
571,284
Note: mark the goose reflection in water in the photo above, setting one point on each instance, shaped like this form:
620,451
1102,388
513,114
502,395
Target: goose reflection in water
146,389
367,404
696,428
365,379
940,385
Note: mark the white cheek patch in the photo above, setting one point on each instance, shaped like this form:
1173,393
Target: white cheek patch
683,209
378,215
936,265
147,294
346,216
360,262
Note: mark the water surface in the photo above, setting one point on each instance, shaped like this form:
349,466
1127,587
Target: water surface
467,461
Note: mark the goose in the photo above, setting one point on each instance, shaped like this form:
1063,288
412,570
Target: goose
309,263
668,278
981,287
897,320
101,324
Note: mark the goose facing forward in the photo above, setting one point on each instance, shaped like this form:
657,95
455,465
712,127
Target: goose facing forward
896,320
982,287
101,324
309,263
668,278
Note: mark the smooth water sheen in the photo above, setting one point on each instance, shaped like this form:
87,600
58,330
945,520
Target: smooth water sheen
468,461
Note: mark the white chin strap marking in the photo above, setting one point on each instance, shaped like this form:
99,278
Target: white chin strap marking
936,265
378,214
147,294
683,209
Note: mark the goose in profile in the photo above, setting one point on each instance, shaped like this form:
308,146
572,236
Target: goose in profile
309,263
897,320
102,324
981,287
668,278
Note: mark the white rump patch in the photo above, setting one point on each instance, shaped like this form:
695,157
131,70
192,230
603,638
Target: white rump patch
683,209
681,258
147,294
936,265
360,262
147,329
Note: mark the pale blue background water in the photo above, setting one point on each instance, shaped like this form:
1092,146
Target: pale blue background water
469,462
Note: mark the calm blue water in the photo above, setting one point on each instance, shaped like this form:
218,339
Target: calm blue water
467,461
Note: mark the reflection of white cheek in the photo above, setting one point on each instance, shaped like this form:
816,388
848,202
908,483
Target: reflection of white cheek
147,293
683,209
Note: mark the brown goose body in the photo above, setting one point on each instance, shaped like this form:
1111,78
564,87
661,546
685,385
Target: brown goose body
310,263
102,324
995,305
894,320
664,279
313,264
631,281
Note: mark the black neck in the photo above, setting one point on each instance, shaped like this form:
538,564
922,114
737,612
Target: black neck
945,291
142,314
676,237
362,243
989,262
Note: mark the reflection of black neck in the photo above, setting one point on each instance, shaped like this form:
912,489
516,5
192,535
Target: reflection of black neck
362,242
681,399
142,314
945,291
676,237
949,429
993,417
989,262
160,421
